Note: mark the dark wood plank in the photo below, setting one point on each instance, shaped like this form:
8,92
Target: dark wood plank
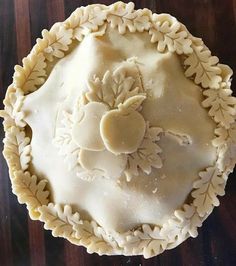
55,11
54,249
23,33
73,255
24,242
5,226
13,217
38,18
36,243
22,17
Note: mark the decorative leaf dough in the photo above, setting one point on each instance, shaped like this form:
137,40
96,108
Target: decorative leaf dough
29,77
188,220
146,241
64,223
13,103
17,149
85,20
207,188
169,35
226,74
54,43
184,224
203,67
113,89
64,142
59,219
95,238
226,145
124,17
30,191
222,106
225,135
147,155
227,157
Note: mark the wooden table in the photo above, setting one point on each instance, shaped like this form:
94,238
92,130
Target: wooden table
23,242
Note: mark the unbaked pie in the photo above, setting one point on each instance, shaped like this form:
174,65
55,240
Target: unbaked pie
120,130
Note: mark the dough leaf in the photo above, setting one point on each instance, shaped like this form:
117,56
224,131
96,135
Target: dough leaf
31,191
86,20
210,185
32,74
222,106
202,66
147,155
169,35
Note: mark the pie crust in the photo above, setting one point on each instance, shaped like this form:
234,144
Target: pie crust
120,130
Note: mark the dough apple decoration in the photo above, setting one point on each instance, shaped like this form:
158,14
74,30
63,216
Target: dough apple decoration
105,137
85,131
122,130
86,135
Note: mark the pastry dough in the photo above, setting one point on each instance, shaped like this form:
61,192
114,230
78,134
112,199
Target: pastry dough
120,130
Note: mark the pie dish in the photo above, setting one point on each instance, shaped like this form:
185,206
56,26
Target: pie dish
120,130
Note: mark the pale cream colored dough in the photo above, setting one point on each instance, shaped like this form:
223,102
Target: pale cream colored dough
173,103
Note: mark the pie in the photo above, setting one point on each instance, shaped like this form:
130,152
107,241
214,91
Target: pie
120,130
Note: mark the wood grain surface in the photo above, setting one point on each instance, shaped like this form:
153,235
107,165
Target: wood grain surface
24,242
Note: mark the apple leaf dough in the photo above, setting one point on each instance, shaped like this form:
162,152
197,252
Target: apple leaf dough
132,103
